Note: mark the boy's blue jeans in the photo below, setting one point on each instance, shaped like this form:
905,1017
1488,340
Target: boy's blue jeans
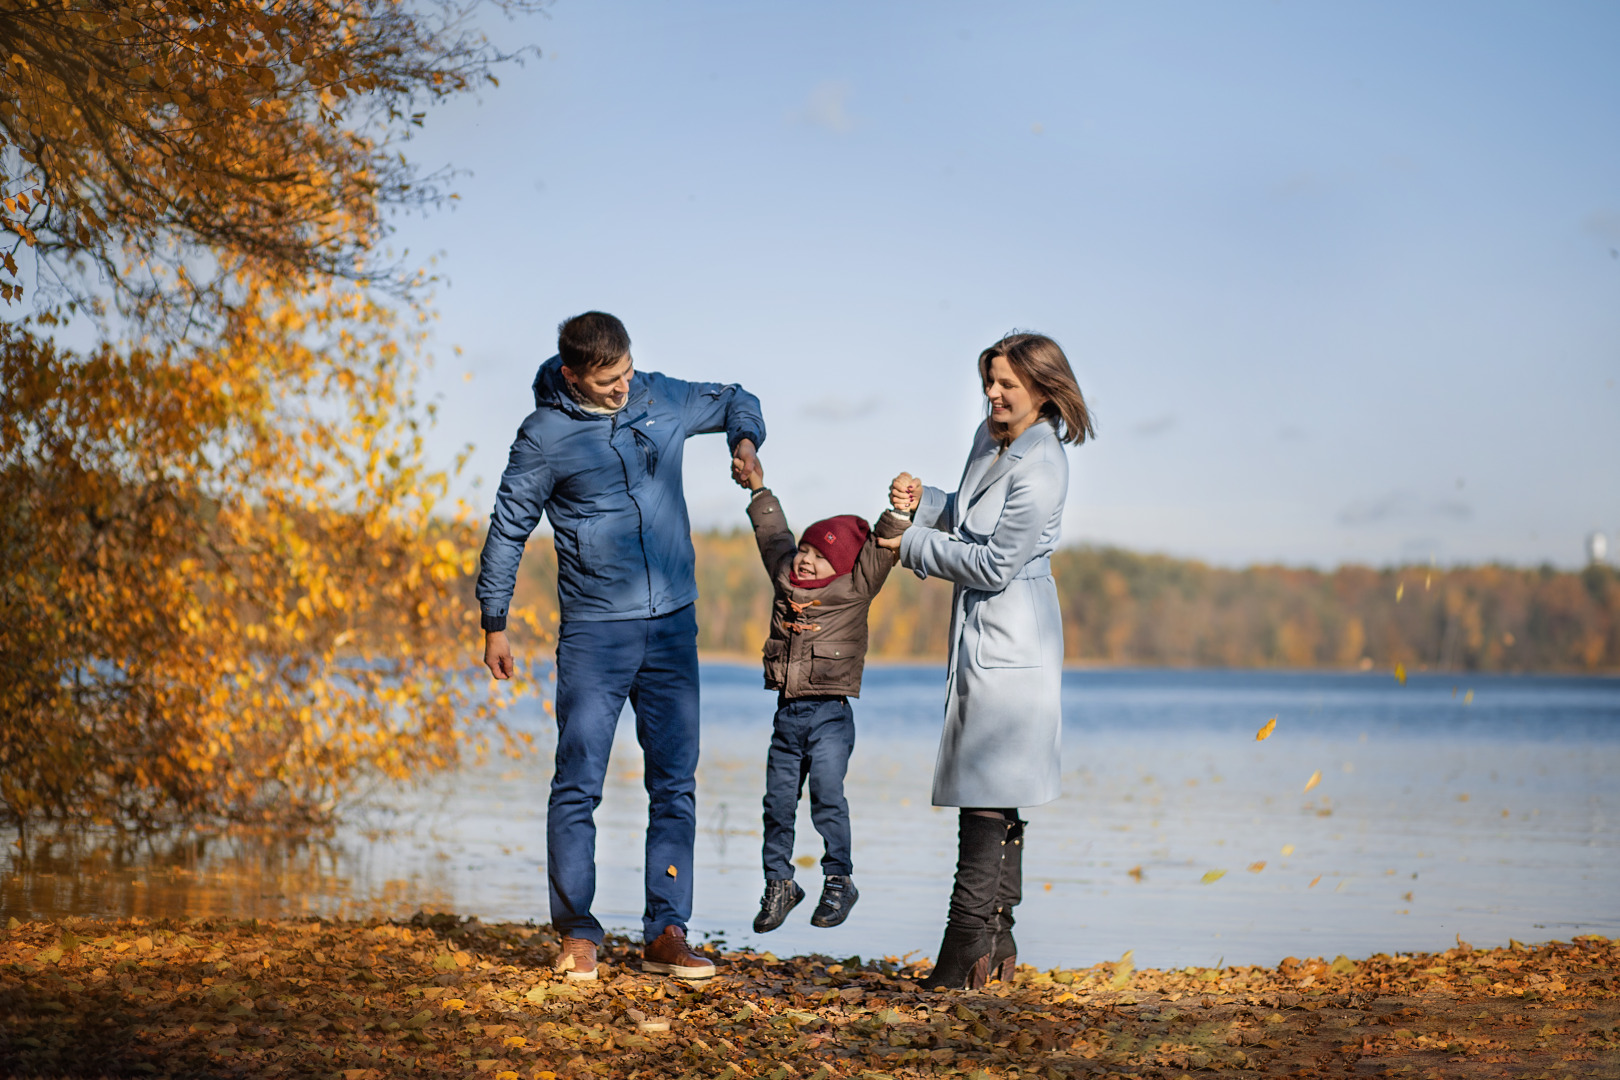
654,663
811,739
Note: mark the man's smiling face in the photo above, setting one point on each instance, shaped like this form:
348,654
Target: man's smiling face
605,386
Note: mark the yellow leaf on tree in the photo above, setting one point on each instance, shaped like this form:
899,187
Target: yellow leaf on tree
1265,730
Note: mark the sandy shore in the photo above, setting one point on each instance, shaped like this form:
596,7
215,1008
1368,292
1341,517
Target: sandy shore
442,997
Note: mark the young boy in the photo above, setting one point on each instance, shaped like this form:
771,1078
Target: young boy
824,585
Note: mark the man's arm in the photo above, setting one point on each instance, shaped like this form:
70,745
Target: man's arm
727,407
519,502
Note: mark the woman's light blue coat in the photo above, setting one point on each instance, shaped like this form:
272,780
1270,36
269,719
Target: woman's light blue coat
993,538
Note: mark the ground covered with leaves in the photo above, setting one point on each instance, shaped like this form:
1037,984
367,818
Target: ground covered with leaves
441,996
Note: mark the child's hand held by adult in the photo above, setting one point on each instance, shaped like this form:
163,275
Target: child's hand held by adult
745,465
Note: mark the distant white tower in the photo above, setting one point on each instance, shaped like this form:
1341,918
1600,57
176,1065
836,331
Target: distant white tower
1597,549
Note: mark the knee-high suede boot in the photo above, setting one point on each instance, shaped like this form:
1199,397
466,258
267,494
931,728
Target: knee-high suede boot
1009,892
970,933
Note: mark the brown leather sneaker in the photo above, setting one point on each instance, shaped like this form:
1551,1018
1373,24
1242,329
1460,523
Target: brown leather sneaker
577,960
668,954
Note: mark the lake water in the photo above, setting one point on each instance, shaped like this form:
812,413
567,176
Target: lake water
1476,806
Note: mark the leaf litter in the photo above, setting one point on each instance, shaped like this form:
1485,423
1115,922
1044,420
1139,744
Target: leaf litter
443,996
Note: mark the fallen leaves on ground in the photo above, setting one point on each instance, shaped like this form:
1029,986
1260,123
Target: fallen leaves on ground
445,997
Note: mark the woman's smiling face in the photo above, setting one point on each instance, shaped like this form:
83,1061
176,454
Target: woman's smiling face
1011,403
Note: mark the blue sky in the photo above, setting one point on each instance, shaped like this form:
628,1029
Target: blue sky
1340,280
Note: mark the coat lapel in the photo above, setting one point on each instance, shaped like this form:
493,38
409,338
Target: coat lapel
1039,430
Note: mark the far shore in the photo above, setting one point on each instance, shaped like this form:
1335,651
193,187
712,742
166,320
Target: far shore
707,656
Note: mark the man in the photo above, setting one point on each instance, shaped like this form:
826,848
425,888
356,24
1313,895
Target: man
601,457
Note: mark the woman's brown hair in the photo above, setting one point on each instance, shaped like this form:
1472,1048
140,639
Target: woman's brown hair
1040,365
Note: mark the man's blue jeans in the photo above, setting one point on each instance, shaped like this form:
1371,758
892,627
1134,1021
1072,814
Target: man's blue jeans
654,663
811,739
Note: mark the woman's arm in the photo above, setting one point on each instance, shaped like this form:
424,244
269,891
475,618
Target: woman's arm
1035,492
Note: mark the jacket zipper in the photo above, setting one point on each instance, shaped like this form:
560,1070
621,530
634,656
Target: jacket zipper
641,525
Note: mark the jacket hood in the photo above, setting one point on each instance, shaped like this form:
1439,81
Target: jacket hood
550,389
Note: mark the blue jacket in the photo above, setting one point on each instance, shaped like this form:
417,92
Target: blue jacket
611,486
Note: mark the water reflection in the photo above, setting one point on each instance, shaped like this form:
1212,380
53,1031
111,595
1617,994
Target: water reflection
239,873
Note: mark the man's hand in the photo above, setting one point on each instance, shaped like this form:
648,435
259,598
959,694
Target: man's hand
745,466
905,492
498,655
889,543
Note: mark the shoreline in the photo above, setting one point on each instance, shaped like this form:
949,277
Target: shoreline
441,996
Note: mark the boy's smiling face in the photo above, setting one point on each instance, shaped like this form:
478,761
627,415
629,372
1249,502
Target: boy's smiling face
811,565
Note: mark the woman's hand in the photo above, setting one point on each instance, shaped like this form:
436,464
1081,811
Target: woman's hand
905,492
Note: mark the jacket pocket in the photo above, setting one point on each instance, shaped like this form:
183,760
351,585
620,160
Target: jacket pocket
1009,629
775,664
835,663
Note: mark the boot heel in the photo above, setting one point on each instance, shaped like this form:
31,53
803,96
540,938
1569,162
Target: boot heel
979,976
1005,971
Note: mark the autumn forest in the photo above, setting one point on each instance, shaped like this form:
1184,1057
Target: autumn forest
1120,607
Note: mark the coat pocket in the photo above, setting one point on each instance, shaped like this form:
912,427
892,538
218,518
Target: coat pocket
775,664
1009,629
835,664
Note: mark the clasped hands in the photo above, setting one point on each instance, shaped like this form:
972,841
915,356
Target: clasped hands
905,493
905,490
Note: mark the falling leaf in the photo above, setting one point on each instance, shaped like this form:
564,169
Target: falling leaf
1135,872
1468,698
1048,886
671,871
1212,876
1400,673
1256,867
1314,880
1265,731
1463,797
1123,970
1287,850
1316,778
1399,589
806,861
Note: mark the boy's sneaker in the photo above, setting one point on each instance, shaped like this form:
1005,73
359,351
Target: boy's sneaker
838,895
780,898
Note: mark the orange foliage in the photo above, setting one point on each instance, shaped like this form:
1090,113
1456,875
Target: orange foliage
227,588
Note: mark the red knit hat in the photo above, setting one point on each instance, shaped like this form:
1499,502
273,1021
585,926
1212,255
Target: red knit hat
839,539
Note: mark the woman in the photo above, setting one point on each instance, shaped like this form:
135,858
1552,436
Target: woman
1003,715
